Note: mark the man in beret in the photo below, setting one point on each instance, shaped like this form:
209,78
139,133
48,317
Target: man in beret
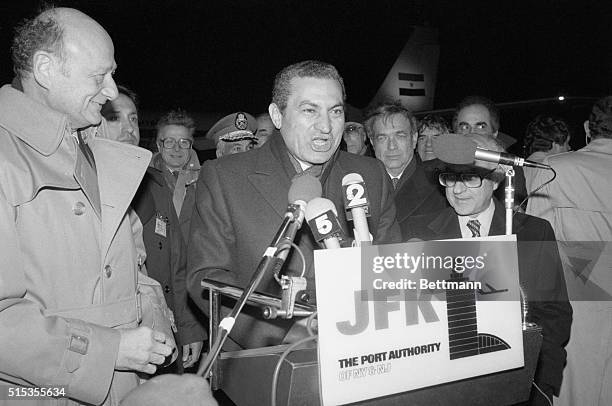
474,212
234,133
241,200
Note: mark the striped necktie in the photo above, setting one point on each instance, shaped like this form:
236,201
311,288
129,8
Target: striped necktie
474,226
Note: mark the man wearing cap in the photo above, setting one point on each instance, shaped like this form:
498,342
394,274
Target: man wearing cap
474,212
242,199
355,139
234,133
392,131
178,163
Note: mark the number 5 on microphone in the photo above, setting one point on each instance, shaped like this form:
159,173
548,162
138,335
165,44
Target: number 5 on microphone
325,225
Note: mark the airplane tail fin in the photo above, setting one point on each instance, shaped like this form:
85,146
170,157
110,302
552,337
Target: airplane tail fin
412,78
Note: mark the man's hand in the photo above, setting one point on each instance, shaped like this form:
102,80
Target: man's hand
141,349
191,353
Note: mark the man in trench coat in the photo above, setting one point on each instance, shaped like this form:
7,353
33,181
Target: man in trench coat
70,306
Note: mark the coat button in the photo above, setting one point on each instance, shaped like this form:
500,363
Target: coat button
78,208
167,289
305,297
108,271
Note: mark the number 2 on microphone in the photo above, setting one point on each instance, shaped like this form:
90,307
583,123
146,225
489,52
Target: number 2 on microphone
355,195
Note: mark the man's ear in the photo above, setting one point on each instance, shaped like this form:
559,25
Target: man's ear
586,128
219,149
275,115
44,66
415,138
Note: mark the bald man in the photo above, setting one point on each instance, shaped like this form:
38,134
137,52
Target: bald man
72,303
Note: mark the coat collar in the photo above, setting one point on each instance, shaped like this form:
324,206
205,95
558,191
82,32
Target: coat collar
273,161
120,171
34,123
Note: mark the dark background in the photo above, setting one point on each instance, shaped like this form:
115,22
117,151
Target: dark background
222,56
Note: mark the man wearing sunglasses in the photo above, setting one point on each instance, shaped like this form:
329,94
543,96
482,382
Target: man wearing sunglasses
474,212
178,162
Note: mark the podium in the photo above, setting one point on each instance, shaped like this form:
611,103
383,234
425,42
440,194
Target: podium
246,378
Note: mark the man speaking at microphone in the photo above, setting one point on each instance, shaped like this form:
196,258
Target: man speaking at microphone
241,199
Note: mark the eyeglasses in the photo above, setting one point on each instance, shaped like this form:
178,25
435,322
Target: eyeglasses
470,180
478,128
170,143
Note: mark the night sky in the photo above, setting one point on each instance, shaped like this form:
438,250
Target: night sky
222,56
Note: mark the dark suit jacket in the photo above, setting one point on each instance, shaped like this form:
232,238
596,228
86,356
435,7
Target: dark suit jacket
166,255
240,203
417,194
540,274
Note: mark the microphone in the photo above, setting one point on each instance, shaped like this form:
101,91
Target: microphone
460,150
322,219
304,188
356,204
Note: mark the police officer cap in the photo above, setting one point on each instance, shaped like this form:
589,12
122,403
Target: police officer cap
234,127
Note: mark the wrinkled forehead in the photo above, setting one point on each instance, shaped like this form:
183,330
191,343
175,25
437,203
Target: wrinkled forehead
174,131
394,121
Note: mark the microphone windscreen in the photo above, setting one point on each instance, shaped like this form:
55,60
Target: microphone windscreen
351,178
454,149
304,187
318,206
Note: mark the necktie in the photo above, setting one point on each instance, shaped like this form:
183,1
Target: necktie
86,151
474,226
394,181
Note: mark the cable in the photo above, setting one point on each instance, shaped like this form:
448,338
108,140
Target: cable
309,323
300,253
538,188
280,363
543,394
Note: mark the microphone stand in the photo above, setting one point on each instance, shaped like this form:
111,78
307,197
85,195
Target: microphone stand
509,199
270,260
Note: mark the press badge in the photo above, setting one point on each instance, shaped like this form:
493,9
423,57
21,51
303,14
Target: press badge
161,223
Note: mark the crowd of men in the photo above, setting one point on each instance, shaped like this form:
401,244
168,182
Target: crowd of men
106,244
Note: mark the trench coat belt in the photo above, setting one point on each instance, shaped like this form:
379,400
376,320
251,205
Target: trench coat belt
120,313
